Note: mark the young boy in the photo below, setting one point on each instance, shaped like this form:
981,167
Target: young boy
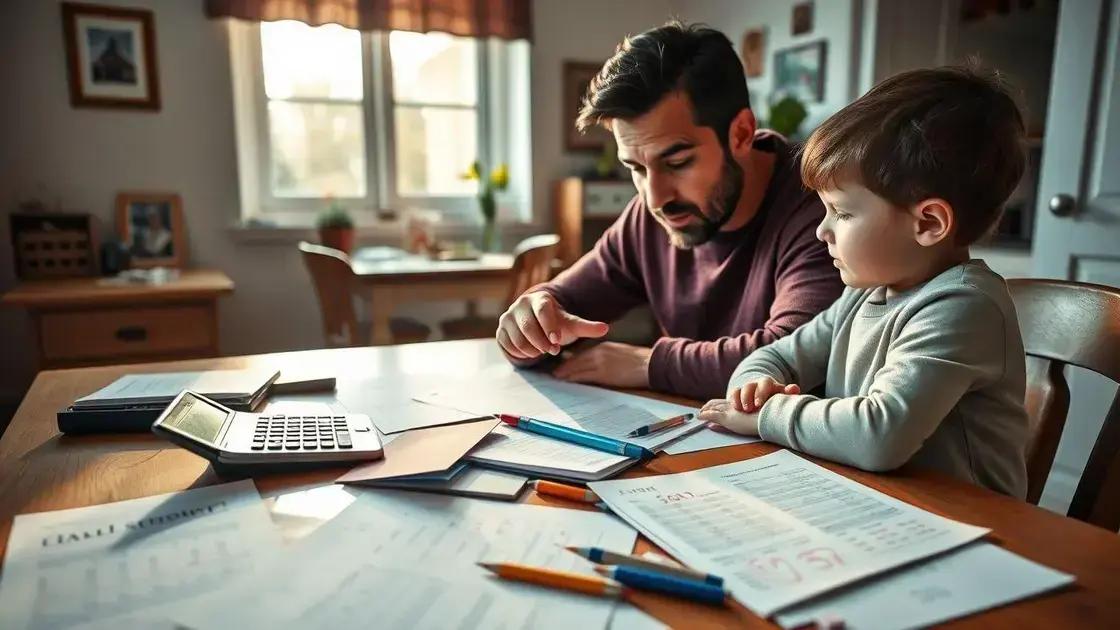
921,357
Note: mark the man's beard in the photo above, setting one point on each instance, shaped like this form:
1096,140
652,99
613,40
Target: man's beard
724,198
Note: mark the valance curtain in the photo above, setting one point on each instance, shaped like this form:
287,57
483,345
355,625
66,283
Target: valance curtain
505,19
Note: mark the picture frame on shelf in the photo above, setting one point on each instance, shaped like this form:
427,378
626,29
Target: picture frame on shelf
151,226
111,56
800,71
577,76
754,52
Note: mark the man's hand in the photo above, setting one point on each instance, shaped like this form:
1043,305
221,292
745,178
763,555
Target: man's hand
535,324
610,364
752,395
723,416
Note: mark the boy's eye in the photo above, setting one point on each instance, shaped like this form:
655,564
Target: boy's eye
842,216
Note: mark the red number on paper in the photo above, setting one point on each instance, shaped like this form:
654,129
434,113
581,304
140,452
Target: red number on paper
775,568
821,558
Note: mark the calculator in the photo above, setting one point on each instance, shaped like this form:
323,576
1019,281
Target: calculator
250,440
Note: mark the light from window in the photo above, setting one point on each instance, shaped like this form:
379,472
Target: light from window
313,83
435,112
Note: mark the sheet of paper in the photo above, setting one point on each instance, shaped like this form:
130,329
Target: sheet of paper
521,450
962,582
778,528
167,385
502,389
408,560
390,405
630,617
705,439
129,558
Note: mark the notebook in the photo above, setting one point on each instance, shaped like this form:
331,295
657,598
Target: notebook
461,480
233,388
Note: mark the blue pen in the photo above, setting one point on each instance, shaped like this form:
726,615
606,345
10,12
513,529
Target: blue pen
576,436
637,577
602,556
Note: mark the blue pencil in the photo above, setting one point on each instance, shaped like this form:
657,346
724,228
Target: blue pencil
576,436
637,577
602,556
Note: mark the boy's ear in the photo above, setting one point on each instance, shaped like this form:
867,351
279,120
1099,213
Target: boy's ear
740,136
934,221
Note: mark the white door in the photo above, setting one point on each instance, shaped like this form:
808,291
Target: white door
1077,230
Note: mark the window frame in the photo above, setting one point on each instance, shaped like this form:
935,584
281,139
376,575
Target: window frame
495,97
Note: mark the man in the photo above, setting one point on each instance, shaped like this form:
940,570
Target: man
719,240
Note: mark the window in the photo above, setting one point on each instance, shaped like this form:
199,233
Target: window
375,120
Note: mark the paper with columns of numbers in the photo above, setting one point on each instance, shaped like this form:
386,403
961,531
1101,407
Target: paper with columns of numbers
128,559
778,528
408,560
962,582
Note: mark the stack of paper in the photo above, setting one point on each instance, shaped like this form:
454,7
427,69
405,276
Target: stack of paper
401,560
240,389
782,530
502,389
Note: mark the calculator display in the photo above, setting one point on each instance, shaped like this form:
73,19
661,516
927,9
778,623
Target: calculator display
197,419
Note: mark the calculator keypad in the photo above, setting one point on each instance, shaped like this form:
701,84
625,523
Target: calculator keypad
306,433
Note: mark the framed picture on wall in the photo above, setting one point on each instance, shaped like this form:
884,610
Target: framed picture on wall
151,226
577,77
754,52
800,72
111,56
802,20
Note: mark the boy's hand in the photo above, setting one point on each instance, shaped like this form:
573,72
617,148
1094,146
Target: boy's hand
752,395
724,417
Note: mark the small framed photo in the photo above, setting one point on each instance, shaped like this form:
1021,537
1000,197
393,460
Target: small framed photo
151,225
577,78
802,21
754,52
800,72
111,54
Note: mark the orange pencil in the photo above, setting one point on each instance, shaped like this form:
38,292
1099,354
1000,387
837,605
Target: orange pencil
586,584
564,491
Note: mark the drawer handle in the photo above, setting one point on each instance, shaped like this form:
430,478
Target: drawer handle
132,333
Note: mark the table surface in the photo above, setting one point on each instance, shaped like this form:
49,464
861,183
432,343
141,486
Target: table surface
43,470
191,283
416,265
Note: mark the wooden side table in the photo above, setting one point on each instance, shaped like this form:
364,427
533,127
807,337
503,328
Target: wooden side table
88,321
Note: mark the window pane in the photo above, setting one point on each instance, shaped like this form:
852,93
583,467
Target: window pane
434,146
304,61
433,68
317,149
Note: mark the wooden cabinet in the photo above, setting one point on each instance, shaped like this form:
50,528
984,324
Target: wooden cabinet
88,321
584,209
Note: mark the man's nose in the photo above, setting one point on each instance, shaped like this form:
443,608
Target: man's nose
659,190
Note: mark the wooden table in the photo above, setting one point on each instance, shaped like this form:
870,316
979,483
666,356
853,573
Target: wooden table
412,278
42,470
95,321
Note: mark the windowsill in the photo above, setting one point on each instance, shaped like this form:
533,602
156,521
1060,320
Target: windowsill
383,233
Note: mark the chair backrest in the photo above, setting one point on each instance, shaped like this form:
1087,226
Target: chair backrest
1071,323
532,263
334,281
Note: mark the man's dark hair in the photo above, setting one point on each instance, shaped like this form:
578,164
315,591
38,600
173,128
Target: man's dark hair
689,58
951,132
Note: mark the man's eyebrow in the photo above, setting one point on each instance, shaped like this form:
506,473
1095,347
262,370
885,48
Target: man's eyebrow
675,148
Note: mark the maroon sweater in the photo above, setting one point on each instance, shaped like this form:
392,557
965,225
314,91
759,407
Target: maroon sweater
717,302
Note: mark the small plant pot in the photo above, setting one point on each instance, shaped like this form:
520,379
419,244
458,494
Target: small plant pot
338,238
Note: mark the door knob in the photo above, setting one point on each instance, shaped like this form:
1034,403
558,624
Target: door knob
1062,205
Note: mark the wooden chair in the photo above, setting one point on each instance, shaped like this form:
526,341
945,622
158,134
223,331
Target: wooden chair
1071,323
334,285
532,265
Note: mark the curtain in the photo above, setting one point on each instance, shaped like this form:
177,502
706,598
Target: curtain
505,19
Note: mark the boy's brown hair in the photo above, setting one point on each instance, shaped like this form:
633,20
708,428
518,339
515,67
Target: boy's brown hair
953,133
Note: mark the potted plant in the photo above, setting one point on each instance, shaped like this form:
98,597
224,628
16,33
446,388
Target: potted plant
336,228
487,205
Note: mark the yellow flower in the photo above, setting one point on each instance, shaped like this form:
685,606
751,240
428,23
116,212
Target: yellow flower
499,177
472,172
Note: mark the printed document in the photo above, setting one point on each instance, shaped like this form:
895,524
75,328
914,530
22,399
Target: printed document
126,559
962,582
407,560
779,528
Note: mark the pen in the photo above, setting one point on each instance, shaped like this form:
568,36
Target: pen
564,491
661,425
641,578
602,556
589,585
577,436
